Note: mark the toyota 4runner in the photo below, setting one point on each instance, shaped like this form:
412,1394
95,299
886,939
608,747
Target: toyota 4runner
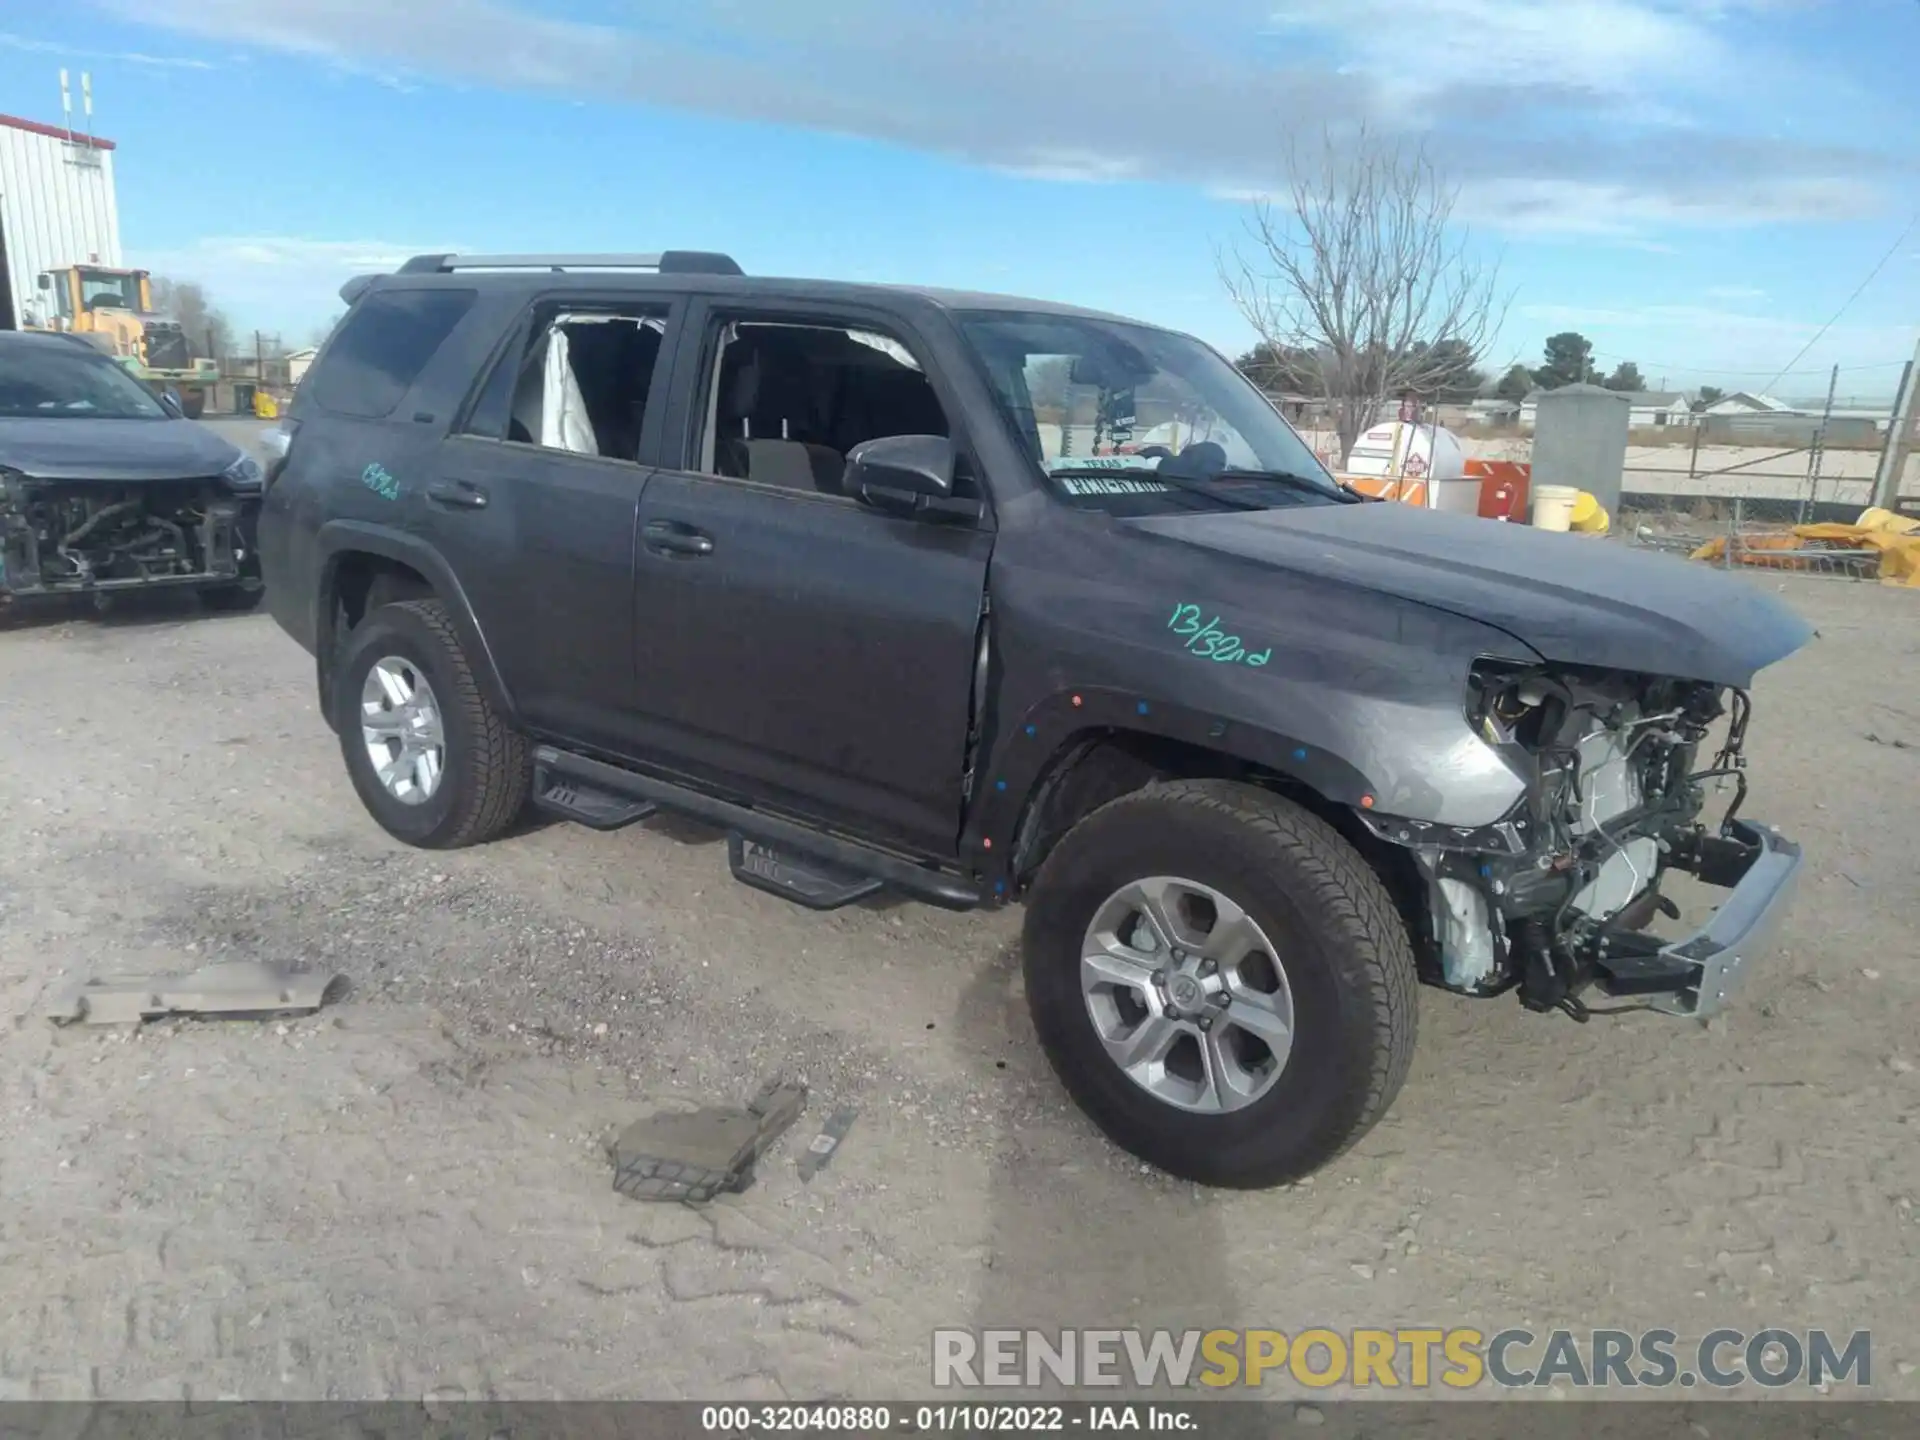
980,600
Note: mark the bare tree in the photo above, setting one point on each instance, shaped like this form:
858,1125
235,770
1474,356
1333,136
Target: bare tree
318,336
208,332
1359,268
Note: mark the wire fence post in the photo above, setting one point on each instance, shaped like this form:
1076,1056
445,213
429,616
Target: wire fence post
1816,452
1900,437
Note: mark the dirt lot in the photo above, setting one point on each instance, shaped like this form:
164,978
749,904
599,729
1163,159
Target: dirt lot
403,1194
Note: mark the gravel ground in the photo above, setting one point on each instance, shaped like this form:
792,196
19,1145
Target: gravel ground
404,1194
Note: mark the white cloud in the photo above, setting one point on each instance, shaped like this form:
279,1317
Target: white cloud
1734,292
125,57
1581,117
1712,337
1621,210
1624,49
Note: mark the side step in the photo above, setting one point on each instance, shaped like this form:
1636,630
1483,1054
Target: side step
586,804
816,884
780,856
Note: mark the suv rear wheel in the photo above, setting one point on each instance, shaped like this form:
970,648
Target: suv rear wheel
1220,981
430,758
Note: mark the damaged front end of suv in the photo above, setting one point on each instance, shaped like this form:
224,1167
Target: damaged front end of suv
1555,899
66,536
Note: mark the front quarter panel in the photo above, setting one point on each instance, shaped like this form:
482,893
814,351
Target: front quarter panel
1361,696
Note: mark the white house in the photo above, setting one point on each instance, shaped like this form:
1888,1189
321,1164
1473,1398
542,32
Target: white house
1743,402
1646,409
297,363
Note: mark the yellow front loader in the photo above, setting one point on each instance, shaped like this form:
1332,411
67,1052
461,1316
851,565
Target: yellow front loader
116,307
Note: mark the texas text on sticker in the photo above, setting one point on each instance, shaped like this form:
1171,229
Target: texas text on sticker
1207,640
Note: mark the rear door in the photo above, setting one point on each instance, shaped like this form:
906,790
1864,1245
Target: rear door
370,427
534,499
796,644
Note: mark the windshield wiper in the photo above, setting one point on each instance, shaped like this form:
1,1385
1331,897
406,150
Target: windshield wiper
1296,481
1183,483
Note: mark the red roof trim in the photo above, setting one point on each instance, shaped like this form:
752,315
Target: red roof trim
58,132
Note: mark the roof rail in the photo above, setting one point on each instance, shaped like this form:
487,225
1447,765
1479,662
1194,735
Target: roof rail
666,262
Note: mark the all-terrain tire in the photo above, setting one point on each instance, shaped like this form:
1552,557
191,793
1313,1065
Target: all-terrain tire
487,772
1339,938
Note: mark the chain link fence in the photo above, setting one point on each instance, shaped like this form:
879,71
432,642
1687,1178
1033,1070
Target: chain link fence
1768,491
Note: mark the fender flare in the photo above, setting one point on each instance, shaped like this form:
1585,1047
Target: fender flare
340,538
1018,765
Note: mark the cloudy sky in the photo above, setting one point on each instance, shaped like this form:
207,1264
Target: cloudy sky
1698,185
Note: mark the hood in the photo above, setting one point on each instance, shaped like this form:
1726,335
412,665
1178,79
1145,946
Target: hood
118,450
1573,599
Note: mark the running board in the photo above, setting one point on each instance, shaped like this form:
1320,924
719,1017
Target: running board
585,804
815,884
780,856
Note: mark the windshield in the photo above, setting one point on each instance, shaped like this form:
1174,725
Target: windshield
62,380
1131,420
107,289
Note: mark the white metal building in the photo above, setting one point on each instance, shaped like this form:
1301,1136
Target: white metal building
57,208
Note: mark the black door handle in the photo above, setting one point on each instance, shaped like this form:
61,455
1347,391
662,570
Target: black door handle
461,494
670,537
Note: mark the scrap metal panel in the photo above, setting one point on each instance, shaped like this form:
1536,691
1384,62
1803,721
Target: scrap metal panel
57,208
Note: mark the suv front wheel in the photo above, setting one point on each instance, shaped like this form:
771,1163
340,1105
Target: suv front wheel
431,759
1220,981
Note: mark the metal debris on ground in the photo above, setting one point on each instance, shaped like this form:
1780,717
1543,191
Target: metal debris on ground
692,1156
815,1157
231,987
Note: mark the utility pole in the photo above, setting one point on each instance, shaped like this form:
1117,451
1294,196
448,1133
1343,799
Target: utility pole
1900,437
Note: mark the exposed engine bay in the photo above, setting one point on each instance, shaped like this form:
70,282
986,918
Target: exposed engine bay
62,536
1556,897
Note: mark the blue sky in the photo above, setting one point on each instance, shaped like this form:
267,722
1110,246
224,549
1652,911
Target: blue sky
1697,185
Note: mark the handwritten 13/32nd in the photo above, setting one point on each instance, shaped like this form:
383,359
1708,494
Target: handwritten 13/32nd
1209,641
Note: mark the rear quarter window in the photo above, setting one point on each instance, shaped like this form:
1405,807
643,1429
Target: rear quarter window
383,346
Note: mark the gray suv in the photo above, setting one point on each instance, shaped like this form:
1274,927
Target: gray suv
983,600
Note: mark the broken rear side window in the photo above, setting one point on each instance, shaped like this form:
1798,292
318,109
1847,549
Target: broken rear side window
581,382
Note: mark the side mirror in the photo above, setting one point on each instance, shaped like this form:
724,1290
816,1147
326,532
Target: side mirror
46,281
916,464
907,475
171,402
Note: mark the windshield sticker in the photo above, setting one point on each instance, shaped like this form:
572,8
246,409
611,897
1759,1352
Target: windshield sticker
1207,640
376,479
1104,462
1122,481
1102,485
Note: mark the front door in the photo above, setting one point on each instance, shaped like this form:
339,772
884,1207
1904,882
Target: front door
789,639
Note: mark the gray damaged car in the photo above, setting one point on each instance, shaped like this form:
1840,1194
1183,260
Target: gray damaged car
105,488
